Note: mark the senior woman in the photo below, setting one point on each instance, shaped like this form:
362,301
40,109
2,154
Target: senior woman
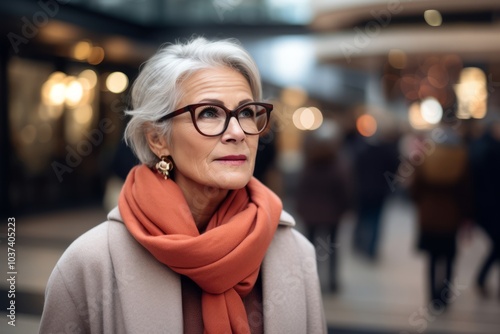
196,244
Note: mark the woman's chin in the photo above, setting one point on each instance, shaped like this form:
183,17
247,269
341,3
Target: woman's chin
231,181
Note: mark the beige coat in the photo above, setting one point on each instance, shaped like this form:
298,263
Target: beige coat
106,282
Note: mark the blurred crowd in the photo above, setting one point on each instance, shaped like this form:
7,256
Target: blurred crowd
449,174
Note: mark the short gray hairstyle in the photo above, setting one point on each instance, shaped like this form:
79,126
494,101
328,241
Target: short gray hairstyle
156,92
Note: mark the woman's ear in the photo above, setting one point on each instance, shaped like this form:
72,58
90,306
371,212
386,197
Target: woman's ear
158,144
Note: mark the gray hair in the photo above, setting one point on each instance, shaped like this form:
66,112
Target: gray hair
156,92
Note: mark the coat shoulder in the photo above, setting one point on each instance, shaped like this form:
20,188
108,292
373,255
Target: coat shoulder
302,242
88,250
81,287
287,230
286,219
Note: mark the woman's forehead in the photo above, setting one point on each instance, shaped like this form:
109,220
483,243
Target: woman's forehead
215,83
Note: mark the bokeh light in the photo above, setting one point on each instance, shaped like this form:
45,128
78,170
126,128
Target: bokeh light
90,76
57,93
96,56
472,93
415,117
437,76
73,92
82,50
366,125
309,118
431,110
117,82
397,58
53,90
433,17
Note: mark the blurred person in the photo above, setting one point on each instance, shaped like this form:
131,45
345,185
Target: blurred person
324,192
442,192
485,161
196,244
373,158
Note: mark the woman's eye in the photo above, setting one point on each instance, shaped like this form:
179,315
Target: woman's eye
247,113
210,112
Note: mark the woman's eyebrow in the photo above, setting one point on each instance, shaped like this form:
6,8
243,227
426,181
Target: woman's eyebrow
216,101
245,101
211,101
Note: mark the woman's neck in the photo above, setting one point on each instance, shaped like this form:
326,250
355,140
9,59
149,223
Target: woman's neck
203,203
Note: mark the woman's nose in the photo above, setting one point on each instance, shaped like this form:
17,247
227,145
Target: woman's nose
234,132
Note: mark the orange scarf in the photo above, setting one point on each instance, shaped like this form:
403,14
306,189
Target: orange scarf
224,261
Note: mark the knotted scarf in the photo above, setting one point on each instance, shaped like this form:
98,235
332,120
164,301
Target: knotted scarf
224,261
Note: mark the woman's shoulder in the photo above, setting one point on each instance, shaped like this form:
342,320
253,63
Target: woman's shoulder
88,249
288,232
92,247
286,219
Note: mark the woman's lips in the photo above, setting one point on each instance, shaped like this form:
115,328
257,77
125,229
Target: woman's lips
233,160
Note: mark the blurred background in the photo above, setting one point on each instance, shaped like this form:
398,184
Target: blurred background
385,141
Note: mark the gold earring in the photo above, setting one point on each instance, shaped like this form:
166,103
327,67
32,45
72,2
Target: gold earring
164,166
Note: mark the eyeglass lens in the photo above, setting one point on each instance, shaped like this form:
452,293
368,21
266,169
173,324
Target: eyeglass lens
210,119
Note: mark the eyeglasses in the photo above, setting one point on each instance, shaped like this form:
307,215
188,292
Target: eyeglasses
213,119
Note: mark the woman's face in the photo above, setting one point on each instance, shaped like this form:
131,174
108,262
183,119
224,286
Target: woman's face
223,162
